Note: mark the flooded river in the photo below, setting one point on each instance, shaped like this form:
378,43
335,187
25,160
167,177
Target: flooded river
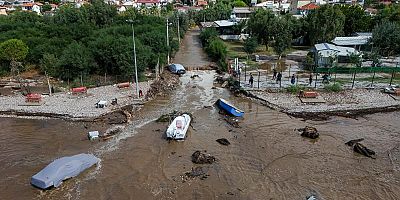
267,159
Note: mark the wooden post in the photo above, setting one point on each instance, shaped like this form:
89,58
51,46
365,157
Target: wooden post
258,82
297,79
373,77
245,72
290,66
334,80
81,80
48,82
354,78
391,78
316,77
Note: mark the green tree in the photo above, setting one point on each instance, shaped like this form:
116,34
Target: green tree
282,36
356,20
324,24
239,3
207,35
386,38
261,25
48,64
75,60
13,50
250,45
216,49
46,7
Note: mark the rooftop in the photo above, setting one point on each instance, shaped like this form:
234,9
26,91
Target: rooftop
351,41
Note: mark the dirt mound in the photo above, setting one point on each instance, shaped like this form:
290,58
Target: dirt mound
166,83
202,158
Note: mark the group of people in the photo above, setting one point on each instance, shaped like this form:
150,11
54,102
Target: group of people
278,77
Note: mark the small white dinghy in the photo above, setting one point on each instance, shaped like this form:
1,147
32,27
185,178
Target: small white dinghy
178,128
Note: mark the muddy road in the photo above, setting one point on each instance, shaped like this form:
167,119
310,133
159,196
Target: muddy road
266,159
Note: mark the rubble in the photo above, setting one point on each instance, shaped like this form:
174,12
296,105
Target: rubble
310,132
202,158
360,148
223,141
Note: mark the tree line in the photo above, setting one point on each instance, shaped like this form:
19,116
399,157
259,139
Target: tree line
320,25
92,39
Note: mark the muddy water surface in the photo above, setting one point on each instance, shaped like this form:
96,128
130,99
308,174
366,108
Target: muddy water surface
266,158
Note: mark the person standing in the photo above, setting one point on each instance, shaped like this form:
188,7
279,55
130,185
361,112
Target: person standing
251,80
293,80
310,79
274,74
279,77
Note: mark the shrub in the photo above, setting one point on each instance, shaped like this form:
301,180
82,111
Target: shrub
335,87
294,89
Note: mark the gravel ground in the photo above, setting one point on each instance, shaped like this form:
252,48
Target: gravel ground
74,106
357,99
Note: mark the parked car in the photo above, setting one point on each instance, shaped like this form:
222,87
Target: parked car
177,68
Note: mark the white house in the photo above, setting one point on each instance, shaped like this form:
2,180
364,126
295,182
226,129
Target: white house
326,54
3,10
148,3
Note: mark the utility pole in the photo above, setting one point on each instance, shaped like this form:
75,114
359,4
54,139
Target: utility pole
134,57
167,43
179,34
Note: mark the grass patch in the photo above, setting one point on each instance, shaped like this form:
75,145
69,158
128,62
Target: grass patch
294,89
334,87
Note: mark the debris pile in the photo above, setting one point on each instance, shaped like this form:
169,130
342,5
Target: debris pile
309,132
360,148
223,141
197,172
172,115
202,158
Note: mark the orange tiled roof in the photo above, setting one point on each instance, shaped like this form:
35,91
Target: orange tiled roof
310,6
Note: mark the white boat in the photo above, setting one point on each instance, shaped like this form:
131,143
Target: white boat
178,128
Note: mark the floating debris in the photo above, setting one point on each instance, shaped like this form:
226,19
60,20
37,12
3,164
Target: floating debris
194,76
202,158
309,132
360,148
200,172
352,142
223,141
170,116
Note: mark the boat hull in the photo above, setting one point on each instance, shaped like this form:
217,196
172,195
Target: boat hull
174,132
229,108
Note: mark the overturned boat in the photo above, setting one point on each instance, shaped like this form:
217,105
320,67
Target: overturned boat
229,108
62,169
178,128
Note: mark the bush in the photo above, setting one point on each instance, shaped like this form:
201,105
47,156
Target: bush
207,35
294,89
216,49
335,87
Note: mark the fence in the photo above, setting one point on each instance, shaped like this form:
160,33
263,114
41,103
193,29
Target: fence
348,77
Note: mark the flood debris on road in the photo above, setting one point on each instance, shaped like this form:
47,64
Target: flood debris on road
309,132
360,148
223,141
194,76
172,115
199,157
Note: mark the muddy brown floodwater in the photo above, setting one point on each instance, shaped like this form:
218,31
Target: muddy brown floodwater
266,159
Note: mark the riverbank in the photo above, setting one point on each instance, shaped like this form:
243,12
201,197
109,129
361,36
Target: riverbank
82,107
347,103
